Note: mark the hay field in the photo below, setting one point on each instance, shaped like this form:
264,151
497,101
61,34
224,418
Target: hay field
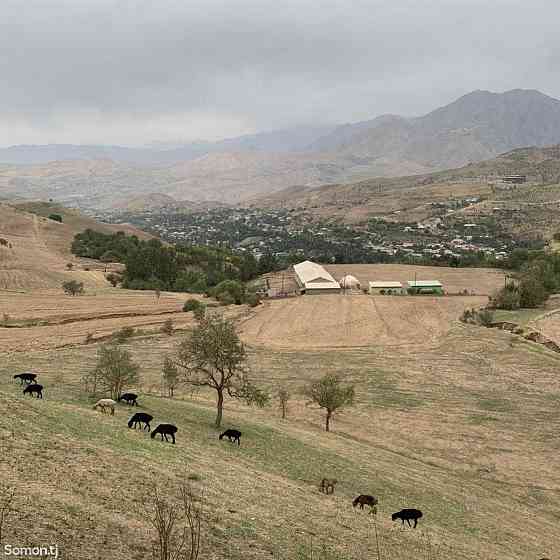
466,430
480,281
339,321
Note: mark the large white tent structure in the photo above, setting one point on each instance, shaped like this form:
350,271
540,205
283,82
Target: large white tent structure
312,278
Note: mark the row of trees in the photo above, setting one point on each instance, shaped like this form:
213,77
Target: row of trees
151,265
536,277
211,356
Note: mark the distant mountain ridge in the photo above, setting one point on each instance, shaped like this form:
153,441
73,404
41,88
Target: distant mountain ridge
476,127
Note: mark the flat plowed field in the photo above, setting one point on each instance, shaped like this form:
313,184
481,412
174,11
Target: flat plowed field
337,321
480,281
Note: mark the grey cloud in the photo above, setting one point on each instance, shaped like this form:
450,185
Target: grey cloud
70,67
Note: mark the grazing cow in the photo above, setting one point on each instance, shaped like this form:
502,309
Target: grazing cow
107,406
327,485
407,515
129,398
140,418
232,435
165,430
27,377
34,389
365,500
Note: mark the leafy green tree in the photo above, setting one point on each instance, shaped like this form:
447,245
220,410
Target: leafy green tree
507,297
115,370
532,292
268,263
249,268
329,393
229,292
191,281
213,356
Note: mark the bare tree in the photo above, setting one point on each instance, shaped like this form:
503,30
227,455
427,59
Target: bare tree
170,375
329,393
283,398
178,526
213,356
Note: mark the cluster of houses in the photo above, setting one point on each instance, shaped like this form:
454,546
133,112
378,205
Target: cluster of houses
312,278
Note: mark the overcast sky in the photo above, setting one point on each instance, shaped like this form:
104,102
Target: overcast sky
137,71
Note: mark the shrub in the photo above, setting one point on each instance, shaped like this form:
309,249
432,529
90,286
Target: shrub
73,288
507,298
485,317
229,292
193,305
532,292
168,327
123,334
55,217
3,242
253,299
69,266
113,279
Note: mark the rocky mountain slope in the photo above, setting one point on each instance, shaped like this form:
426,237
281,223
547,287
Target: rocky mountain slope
476,127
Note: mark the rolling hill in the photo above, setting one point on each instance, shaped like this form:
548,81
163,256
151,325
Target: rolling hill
474,128
37,248
410,198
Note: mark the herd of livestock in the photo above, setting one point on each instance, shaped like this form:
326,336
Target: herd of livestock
142,420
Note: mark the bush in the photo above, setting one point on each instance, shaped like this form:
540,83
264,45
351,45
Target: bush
253,300
484,317
168,327
113,279
73,288
532,292
55,217
507,298
193,305
229,292
123,334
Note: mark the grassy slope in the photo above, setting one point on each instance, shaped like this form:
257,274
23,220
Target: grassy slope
467,431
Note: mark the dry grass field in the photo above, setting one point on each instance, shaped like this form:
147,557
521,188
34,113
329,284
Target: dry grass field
466,429
342,321
460,421
39,248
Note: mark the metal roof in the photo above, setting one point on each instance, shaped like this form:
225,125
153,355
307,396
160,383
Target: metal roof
308,271
387,284
425,284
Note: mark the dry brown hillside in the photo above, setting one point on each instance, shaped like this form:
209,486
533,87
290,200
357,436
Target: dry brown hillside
38,249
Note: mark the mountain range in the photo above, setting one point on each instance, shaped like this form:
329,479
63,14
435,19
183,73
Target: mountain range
475,127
